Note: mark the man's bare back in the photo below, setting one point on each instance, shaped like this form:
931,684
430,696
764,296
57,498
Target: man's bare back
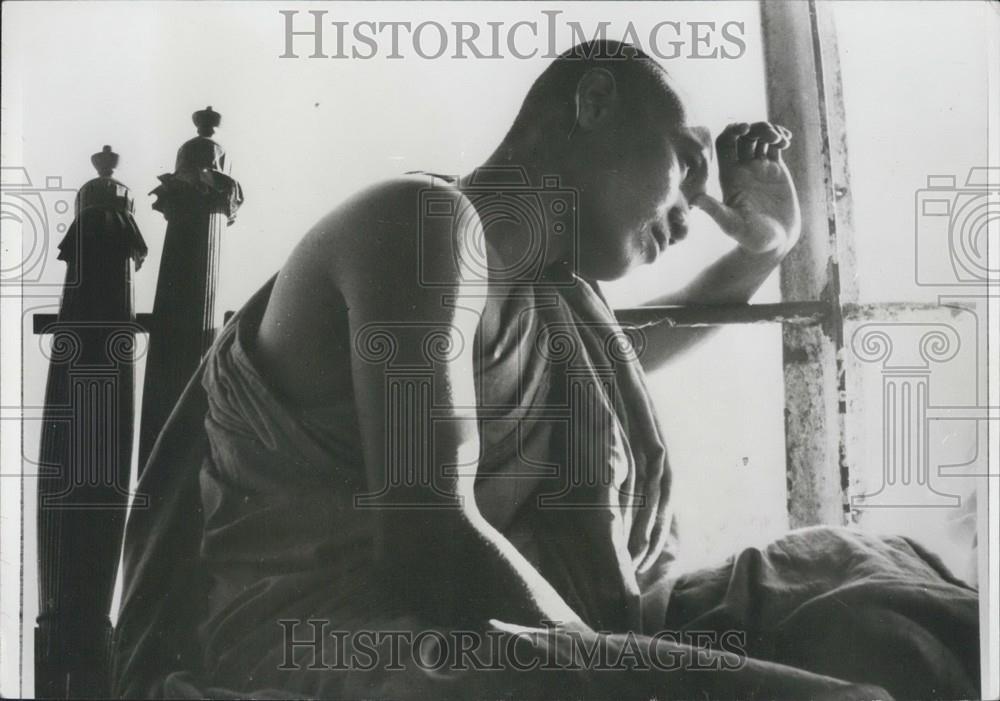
304,341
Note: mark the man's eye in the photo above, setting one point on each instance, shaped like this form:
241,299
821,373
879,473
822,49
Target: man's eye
692,166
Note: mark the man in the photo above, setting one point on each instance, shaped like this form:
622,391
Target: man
425,423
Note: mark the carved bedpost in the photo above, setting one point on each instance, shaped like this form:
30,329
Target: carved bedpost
86,442
198,200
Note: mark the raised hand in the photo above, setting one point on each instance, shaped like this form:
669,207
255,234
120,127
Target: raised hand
760,209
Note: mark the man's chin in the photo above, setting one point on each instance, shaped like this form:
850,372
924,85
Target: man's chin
610,269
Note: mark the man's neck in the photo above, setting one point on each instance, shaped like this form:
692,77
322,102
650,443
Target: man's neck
509,172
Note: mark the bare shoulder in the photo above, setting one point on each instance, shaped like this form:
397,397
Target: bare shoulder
399,236
393,213
372,258
394,238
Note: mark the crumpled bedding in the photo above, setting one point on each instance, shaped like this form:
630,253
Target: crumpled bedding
869,609
250,521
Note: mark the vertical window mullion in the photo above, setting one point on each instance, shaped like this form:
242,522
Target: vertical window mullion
803,93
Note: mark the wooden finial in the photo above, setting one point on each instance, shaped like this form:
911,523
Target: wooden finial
206,120
105,161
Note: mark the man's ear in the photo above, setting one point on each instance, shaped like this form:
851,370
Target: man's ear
596,95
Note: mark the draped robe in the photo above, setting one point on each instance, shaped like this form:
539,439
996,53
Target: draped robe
252,521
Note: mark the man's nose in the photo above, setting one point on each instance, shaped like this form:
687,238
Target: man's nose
694,184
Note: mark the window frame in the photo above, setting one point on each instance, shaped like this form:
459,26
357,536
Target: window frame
819,291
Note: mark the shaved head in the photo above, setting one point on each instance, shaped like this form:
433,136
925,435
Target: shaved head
642,83
605,119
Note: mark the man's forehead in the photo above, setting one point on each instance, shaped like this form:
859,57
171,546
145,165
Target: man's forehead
688,138
668,103
699,137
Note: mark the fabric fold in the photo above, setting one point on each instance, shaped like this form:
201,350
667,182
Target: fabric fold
249,520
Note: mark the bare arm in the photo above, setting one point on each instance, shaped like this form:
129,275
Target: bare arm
760,212
413,347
